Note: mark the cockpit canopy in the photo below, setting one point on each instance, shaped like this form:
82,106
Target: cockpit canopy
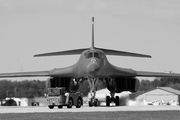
91,54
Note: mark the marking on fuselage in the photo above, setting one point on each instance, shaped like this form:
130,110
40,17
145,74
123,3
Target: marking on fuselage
93,61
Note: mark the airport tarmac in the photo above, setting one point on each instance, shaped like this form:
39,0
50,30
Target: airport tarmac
5,109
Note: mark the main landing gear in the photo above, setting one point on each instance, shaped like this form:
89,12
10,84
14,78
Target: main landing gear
112,99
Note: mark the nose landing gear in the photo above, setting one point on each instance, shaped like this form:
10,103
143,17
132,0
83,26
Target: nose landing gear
93,101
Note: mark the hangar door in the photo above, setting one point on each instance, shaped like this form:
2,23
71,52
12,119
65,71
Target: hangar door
164,97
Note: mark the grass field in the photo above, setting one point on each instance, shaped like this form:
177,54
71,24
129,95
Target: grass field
130,115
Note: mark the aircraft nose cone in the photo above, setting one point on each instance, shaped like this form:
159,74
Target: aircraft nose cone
92,68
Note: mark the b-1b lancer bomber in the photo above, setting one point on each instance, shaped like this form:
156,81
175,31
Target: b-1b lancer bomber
93,66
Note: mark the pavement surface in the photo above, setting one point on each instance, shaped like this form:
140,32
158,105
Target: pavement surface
6,109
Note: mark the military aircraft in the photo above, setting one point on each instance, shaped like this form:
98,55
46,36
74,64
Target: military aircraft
93,66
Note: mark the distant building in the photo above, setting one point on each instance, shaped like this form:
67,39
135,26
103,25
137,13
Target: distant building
41,101
15,102
165,94
21,101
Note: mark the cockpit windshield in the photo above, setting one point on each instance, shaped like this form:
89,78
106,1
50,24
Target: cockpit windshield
93,54
97,55
89,55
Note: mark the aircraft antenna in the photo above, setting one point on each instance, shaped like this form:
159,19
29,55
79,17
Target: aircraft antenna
92,32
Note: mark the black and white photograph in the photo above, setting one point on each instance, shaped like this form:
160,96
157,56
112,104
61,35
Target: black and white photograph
89,59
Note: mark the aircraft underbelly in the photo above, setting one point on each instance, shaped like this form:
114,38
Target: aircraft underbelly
110,73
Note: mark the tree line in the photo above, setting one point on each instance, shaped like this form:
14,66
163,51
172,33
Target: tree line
146,85
36,88
26,88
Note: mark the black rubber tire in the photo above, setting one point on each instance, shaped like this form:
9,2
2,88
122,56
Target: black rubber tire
79,103
51,106
107,101
70,103
117,101
60,106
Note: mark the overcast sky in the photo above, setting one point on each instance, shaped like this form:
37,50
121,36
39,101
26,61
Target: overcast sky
29,27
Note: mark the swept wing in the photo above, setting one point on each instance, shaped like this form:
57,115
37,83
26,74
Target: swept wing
62,72
25,74
132,73
156,74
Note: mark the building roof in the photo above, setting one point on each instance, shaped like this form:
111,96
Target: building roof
168,89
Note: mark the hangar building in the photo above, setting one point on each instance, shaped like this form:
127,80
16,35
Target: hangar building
161,93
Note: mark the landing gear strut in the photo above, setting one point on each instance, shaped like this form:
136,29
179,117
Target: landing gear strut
112,99
93,101
112,87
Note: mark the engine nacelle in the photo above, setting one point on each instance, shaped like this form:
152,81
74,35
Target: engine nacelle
69,83
120,84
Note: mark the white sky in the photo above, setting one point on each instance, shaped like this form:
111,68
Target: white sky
29,27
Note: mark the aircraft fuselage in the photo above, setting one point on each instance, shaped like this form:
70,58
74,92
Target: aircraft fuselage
92,62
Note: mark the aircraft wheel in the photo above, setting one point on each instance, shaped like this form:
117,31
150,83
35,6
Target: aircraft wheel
107,101
70,104
117,101
51,106
90,104
79,103
60,106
